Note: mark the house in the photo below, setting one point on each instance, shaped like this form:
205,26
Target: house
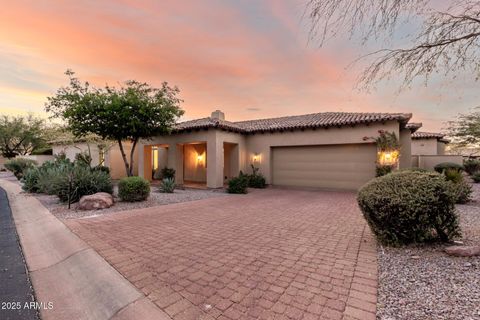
428,150
333,150
102,152
428,143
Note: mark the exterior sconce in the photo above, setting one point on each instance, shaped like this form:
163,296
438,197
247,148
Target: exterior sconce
388,157
199,158
256,158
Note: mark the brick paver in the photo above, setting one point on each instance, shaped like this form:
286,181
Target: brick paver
271,254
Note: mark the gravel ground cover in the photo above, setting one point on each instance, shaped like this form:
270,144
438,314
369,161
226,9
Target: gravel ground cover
425,283
156,198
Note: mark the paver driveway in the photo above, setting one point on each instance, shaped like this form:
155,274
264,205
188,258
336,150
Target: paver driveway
271,254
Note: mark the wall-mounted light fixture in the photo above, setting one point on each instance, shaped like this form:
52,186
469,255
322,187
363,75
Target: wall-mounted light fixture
256,158
388,157
200,157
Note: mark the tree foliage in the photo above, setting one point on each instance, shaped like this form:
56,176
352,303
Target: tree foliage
21,135
130,112
465,131
447,41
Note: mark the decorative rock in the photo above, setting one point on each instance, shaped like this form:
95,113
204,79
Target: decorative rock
100,200
463,251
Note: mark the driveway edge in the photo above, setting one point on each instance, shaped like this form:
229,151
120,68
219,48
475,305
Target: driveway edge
66,272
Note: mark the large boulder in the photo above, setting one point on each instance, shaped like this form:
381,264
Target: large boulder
99,200
463,251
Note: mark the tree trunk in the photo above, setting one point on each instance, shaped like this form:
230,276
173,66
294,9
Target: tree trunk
124,156
134,144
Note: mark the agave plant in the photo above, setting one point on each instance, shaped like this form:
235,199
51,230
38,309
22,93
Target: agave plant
167,185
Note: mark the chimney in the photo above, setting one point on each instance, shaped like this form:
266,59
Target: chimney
217,114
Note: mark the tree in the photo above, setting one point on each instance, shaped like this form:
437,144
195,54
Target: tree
447,40
131,112
21,135
465,131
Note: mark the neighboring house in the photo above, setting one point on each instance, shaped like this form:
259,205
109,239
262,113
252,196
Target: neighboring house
332,150
101,152
428,143
428,150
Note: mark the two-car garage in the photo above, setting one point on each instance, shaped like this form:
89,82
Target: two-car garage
346,166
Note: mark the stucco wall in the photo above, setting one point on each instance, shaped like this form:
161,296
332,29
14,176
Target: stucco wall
441,148
72,150
405,149
424,147
194,168
429,162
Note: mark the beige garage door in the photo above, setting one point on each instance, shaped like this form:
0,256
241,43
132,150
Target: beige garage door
331,166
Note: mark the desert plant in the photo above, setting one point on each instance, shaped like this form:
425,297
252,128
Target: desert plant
453,175
476,177
256,179
461,191
381,170
102,168
133,189
30,180
472,166
167,173
83,159
167,185
409,207
73,183
448,165
238,184
18,166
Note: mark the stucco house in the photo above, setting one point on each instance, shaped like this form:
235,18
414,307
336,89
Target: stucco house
428,143
333,150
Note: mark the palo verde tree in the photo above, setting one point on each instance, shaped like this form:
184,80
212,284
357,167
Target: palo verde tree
445,38
21,135
465,130
131,112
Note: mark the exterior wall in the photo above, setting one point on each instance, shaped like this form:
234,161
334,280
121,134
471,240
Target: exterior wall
114,160
71,150
424,147
2,162
113,157
261,144
194,169
429,162
39,159
405,149
441,148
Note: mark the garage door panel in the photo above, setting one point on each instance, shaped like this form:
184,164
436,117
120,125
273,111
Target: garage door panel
332,166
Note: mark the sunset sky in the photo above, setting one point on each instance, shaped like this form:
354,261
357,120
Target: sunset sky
251,59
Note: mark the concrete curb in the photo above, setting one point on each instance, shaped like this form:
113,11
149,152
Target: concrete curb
67,272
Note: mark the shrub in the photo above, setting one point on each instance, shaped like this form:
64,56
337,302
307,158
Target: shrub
83,159
409,207
45,151
461,191
453,175
238,184
382,170
448,165
167,173
256,179
30,180
73,183
102,168
167,185
133,189
472,166
18,166
476,177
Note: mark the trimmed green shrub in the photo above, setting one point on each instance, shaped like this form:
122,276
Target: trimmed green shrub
476,177
133,189
409,207
238,184
30,180
167,185
472,166
18,166
448,165
382,170
167,173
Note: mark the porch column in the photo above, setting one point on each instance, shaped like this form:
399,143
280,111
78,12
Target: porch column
214,162
141,157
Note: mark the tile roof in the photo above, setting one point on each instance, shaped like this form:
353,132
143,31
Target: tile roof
413,126
427,135
307,121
